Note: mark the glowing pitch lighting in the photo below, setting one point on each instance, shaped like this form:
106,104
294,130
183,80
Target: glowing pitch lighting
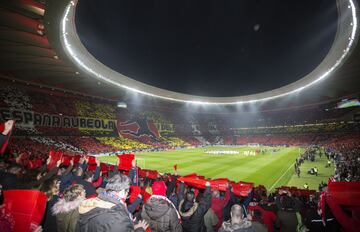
67,26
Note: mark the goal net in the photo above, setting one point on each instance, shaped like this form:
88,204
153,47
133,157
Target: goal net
253,145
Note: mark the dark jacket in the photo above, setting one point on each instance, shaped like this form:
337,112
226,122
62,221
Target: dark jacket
314,222
49,220
286,220
244,226
9,181
100,215
133,175
66,214
161,215
193,218
210,220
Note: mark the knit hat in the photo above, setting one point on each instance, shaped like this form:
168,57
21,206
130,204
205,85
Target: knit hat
159,188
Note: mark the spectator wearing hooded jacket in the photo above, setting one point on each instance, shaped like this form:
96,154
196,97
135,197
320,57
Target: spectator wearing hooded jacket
66,209
160,212
108,211
192,212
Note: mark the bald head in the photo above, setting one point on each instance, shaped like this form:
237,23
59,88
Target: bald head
215,193
236,213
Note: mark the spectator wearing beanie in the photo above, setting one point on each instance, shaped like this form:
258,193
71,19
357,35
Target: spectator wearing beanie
193,212
160,212
108,211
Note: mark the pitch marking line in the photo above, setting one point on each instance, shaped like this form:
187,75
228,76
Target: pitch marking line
271,188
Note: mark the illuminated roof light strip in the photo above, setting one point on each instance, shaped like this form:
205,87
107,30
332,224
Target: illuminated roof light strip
73,55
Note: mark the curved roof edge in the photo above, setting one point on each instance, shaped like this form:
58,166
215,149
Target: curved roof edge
345,41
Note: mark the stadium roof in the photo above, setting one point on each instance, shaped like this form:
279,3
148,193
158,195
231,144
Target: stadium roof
32,51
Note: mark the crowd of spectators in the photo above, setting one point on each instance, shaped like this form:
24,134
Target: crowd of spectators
95,110
346,155
83,196
82,200
123,143
90,145
174,142
331,127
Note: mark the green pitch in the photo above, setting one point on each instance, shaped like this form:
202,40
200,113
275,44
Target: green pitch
271,169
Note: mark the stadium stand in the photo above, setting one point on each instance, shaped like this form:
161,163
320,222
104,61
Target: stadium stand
123,144
52,180
31,143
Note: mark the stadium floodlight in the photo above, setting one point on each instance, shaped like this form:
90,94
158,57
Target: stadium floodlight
345,39
122,105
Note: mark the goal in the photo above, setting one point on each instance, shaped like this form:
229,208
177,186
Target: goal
253,145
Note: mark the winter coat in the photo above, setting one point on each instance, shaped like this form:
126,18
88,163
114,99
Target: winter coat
314,222
259,227
193,219
286,220
243,226
49,220
96,214
67,214
161,215
9,181
210,220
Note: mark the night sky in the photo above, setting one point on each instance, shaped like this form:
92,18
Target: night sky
209,48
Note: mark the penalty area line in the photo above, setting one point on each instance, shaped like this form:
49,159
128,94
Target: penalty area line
271,188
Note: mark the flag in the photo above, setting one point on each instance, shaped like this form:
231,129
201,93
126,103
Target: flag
91,160
54,157
151,174
193,181
125,161
76,159
134,192
65,160
27,212
345,193
104,167
91,167
220,184
36,163
242,188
